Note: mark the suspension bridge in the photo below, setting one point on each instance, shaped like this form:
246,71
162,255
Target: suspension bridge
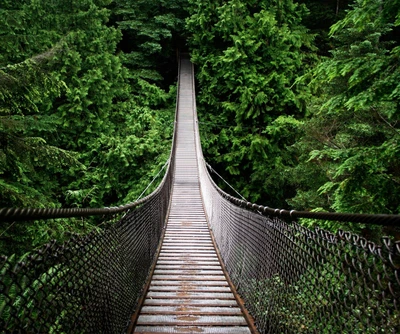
190,258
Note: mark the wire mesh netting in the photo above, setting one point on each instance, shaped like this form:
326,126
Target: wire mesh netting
292,279
89,284
297,280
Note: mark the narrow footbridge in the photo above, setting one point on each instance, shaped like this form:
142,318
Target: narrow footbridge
190,258
188,291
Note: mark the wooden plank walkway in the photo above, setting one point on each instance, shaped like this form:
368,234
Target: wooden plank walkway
189,292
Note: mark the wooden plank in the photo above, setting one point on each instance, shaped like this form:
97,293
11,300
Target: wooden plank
171,232
188,272
190,231
184,251
187,236
188,249
189,240
191,329
184,227
196,302
188,262
187,320
184,244
186,230
190,224
155,282
187,266
177,257
195,310
189,258
191,254
189,288
197,248
187,243
191,295
185,277
179,227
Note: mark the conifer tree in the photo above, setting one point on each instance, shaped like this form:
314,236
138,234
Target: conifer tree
86,136
249,54
351,145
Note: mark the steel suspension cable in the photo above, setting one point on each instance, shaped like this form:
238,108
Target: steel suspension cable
212,170
155,177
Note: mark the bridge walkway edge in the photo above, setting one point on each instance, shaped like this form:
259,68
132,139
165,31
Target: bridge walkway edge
189,291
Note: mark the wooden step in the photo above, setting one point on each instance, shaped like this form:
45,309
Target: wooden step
192,329
174,285
188,320
195,310
188,292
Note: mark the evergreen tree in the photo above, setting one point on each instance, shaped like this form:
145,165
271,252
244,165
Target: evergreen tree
153,31
323,14
351,145
27,160
77,128
249,54
101,107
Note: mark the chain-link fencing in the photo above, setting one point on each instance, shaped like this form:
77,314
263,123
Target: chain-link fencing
89,284
298,280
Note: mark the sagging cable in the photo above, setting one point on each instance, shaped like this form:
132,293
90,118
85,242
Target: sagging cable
215,172
144,191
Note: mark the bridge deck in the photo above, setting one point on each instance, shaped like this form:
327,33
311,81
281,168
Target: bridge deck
189,292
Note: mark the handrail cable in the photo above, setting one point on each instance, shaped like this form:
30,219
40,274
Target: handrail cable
216,173
148,186
373,219
91,282
293,279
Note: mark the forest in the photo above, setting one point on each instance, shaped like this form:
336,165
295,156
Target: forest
298,103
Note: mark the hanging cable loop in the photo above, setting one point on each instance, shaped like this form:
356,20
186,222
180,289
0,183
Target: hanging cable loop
212,170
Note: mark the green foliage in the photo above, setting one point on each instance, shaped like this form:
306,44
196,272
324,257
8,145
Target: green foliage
79,125
323,14
26,160
350,147
152,32
305,305
249,55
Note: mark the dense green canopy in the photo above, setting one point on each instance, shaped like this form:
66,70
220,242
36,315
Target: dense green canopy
81,123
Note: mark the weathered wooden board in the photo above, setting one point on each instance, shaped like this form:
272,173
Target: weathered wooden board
195,310
189,288
187,320
191,329
188,292
196,302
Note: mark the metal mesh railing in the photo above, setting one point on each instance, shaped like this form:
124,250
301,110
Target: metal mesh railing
89,284
297,280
